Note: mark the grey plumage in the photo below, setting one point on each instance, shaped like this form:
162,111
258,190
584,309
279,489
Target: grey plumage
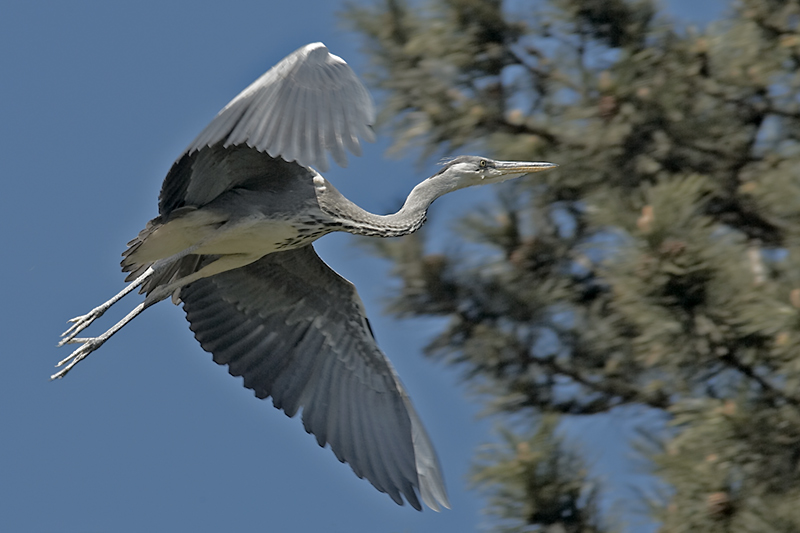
322,351
309,103
238,212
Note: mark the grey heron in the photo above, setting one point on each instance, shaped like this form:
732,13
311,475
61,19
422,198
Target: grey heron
238,213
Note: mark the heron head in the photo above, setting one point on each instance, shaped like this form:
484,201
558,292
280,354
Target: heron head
472,170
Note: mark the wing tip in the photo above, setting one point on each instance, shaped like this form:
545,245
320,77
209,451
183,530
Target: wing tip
433,493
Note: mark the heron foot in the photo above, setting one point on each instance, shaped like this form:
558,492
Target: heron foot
79,323
88,345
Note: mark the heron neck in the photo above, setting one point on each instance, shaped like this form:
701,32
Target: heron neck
408,219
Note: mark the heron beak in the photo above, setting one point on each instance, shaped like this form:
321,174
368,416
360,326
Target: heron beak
522,167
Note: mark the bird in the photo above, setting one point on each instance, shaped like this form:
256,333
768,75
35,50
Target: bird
238,212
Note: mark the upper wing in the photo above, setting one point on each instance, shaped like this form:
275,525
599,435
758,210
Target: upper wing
296,331
199,177
310,102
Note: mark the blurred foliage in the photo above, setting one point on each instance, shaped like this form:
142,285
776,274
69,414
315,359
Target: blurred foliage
657,266
536,477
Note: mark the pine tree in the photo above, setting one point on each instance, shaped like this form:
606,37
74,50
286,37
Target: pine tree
538,480
659,266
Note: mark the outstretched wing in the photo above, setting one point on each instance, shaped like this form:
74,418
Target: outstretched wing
310,102
307,105
296,331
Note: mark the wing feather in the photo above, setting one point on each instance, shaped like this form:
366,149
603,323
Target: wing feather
336,130
308,105
295,330
291,384
300,73
319,401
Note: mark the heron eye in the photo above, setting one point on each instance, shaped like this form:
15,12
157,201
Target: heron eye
483,163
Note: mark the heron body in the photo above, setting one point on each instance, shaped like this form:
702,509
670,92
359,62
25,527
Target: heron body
274,206
238,212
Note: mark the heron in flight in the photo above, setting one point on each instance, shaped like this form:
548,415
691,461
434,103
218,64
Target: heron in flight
238,213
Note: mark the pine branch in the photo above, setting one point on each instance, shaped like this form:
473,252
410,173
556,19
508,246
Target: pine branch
612,388
773,394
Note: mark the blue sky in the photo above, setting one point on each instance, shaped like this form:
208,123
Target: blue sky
96,101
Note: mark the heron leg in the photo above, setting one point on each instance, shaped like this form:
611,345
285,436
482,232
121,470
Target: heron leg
90,344
223,264
79,323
